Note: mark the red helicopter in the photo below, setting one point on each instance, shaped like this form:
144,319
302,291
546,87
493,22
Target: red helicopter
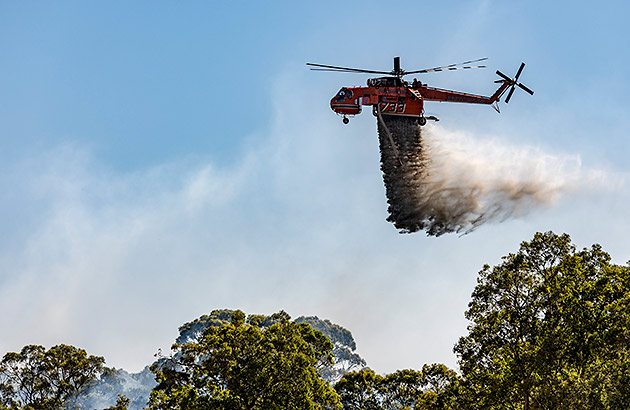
392,95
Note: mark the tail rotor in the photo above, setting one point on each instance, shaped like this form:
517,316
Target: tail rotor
513,83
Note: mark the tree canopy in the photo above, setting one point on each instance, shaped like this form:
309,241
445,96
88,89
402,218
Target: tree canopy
42,379
435,387
246,366
549,329
345,358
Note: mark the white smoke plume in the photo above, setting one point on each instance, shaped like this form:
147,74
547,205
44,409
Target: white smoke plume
458,182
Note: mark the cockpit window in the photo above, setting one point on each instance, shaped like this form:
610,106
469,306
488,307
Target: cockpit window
341,95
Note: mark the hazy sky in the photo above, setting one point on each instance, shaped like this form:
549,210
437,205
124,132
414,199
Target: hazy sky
164,159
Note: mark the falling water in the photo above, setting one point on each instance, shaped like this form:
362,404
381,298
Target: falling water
442,182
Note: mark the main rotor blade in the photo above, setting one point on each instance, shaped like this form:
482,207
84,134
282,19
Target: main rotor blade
332,66
526,89
467,62
507,100
332,69
449,67
350,71
436,69
347,69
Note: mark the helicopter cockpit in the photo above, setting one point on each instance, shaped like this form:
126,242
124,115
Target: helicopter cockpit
343,94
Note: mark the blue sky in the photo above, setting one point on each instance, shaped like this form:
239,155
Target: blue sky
162,159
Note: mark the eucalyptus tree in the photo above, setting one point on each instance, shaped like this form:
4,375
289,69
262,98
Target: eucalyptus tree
46,379
549,329
251,366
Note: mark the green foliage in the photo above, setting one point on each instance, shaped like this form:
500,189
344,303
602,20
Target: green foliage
241,365
343,343
46,379
549,330
122,403
402,389
189,331
441,388
360,390
336,333
435,387
344,346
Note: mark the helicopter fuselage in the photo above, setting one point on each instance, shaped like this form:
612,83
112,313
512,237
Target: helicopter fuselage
393,96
